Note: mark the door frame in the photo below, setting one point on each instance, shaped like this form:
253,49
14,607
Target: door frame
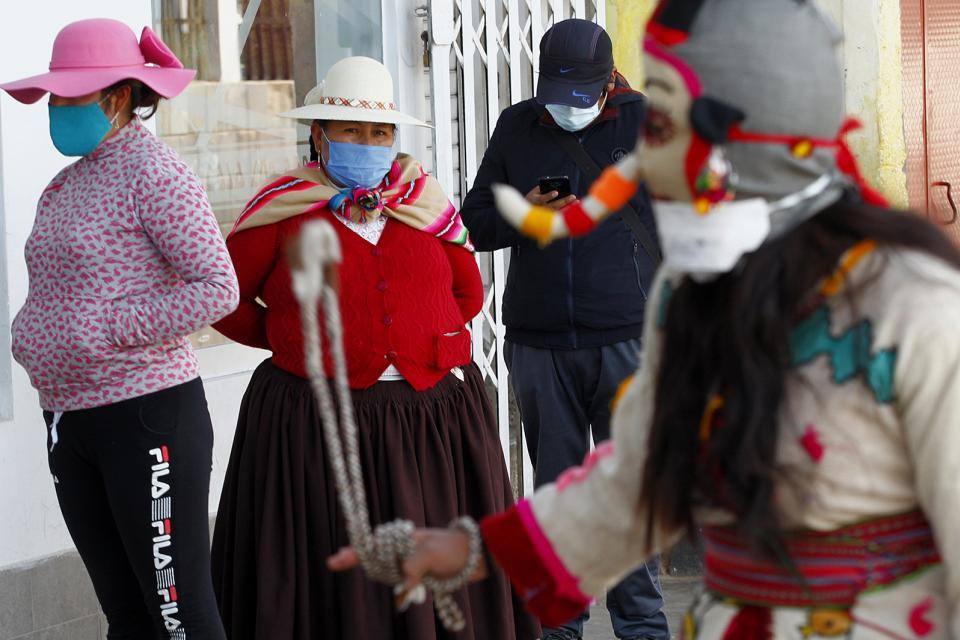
913,37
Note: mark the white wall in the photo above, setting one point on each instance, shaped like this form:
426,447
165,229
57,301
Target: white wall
403,55
31,526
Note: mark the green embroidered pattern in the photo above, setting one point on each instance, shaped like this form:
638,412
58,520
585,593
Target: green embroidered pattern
850,353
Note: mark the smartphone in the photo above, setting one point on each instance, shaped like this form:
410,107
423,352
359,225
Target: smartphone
560,184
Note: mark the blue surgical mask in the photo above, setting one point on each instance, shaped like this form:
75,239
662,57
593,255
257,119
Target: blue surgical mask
78,130
358,165
575,119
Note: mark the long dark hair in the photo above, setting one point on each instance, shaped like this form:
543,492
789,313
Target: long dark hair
731,337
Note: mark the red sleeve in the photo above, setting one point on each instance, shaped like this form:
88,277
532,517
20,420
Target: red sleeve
539,577
253,252
467,284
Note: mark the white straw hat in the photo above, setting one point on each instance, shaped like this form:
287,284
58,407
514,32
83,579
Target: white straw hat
358,89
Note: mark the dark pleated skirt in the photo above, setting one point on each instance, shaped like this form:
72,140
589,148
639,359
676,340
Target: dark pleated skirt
427,457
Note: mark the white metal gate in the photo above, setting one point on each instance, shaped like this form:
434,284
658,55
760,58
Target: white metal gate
484,57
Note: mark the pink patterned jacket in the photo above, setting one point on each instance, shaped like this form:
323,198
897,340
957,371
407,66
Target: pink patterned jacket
125,259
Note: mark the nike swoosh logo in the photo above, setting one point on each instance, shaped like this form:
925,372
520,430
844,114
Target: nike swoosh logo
565,71
577,94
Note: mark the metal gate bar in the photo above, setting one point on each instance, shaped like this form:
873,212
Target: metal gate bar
493,47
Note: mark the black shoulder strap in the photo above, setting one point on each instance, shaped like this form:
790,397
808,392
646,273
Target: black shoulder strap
592,171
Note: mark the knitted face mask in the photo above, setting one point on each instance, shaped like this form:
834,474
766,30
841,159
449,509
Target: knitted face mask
746,102
763,82
683,156
668,136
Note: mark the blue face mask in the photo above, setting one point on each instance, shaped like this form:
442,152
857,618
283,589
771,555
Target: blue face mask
78,130
358,165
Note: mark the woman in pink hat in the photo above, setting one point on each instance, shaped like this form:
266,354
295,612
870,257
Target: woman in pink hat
125,259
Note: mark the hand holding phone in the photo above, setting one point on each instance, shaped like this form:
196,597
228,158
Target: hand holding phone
560,184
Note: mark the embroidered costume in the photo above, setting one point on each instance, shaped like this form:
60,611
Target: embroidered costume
871,413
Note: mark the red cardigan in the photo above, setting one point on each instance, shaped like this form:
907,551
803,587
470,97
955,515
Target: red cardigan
405,301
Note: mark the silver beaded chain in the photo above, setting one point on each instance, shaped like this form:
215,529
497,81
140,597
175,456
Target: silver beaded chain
382,550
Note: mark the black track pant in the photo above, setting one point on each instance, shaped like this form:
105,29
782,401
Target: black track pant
132,479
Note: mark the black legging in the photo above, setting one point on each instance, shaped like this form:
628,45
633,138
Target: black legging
132,479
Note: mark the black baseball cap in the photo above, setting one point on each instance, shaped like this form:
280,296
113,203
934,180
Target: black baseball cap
576,59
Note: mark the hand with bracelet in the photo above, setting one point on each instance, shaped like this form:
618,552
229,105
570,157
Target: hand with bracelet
440,553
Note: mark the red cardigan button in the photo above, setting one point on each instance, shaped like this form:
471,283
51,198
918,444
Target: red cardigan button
382,285
388,320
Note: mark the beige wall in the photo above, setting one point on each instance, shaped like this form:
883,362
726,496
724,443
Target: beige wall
626,20
871,57
873,71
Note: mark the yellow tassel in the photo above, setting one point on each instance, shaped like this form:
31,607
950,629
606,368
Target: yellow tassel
706,422
539,224
621,390
689,627
833,283
803,149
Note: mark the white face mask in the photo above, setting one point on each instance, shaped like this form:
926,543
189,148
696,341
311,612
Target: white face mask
574,119
706,246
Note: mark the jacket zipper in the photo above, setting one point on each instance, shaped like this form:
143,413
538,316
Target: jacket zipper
636,268
571,306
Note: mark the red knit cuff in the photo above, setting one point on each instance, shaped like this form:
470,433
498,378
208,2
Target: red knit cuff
541,580
577,220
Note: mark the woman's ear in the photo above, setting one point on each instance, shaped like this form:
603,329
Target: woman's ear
119,102
316,135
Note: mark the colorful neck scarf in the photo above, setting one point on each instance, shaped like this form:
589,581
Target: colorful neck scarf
407,194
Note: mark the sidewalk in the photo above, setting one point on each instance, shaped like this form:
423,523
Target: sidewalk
677,592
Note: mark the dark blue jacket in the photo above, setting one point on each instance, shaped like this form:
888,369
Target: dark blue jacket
572,294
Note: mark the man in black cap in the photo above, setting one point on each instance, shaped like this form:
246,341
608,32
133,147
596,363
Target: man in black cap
573,310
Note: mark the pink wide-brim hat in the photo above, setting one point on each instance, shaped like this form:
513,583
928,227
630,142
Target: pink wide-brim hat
91,55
